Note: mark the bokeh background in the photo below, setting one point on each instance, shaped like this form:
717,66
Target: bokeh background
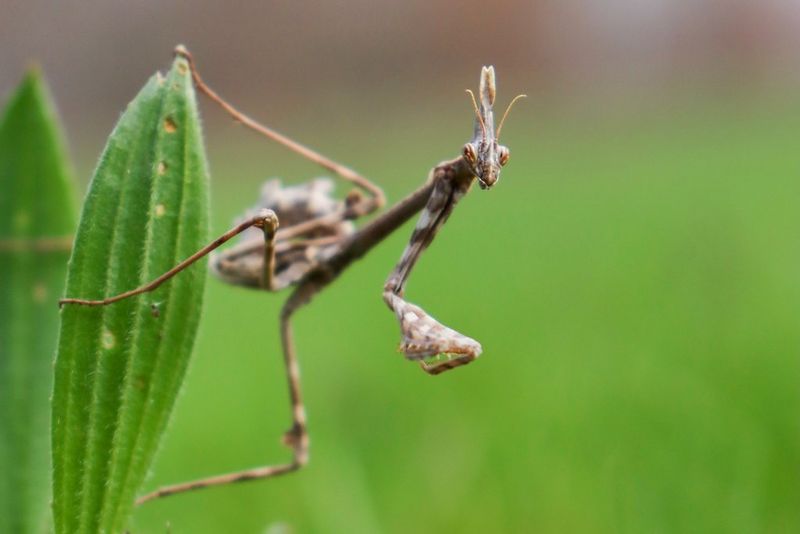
633,278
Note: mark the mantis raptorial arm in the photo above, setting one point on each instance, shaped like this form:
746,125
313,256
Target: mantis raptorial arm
423,337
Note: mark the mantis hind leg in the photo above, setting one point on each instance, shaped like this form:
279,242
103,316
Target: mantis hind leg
363,205
296,438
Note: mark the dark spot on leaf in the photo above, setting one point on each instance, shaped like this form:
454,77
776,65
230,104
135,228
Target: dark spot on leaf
169,125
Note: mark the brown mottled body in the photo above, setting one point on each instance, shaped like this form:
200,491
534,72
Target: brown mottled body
304,237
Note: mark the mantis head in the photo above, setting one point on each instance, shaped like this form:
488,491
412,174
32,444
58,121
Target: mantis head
484,154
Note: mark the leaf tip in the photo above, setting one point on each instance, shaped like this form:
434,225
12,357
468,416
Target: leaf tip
33,74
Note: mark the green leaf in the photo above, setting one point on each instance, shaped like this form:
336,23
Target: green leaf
119,367
37,217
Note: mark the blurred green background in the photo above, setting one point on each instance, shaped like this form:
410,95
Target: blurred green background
633,278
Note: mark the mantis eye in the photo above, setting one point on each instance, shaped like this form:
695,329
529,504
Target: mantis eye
502,155
469,153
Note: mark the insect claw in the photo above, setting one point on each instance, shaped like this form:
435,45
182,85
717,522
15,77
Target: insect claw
266,218
181,50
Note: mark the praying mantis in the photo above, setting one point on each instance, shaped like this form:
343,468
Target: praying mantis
304,238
